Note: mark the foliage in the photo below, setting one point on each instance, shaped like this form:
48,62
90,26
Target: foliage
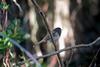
4,6
13,31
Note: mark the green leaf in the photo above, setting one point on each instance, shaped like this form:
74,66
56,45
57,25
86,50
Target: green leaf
4,5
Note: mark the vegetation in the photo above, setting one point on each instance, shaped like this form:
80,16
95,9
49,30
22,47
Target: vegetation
23,24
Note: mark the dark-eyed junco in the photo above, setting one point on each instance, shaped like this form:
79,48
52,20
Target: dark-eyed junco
55,35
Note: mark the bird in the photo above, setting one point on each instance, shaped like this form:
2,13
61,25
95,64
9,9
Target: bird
56,33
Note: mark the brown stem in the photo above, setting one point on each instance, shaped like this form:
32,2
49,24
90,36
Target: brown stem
47,27
7,59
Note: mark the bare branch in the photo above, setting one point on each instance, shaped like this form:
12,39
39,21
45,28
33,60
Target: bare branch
47,27
69,48
94,58
19,7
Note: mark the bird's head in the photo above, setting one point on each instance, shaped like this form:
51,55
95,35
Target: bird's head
58,30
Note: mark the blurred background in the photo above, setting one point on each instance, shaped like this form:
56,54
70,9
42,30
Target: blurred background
21,20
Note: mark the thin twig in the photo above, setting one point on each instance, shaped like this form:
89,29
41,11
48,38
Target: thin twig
6,20
7,58
19,7
94,58
71,56
69,48
47,27
5,15
23,49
